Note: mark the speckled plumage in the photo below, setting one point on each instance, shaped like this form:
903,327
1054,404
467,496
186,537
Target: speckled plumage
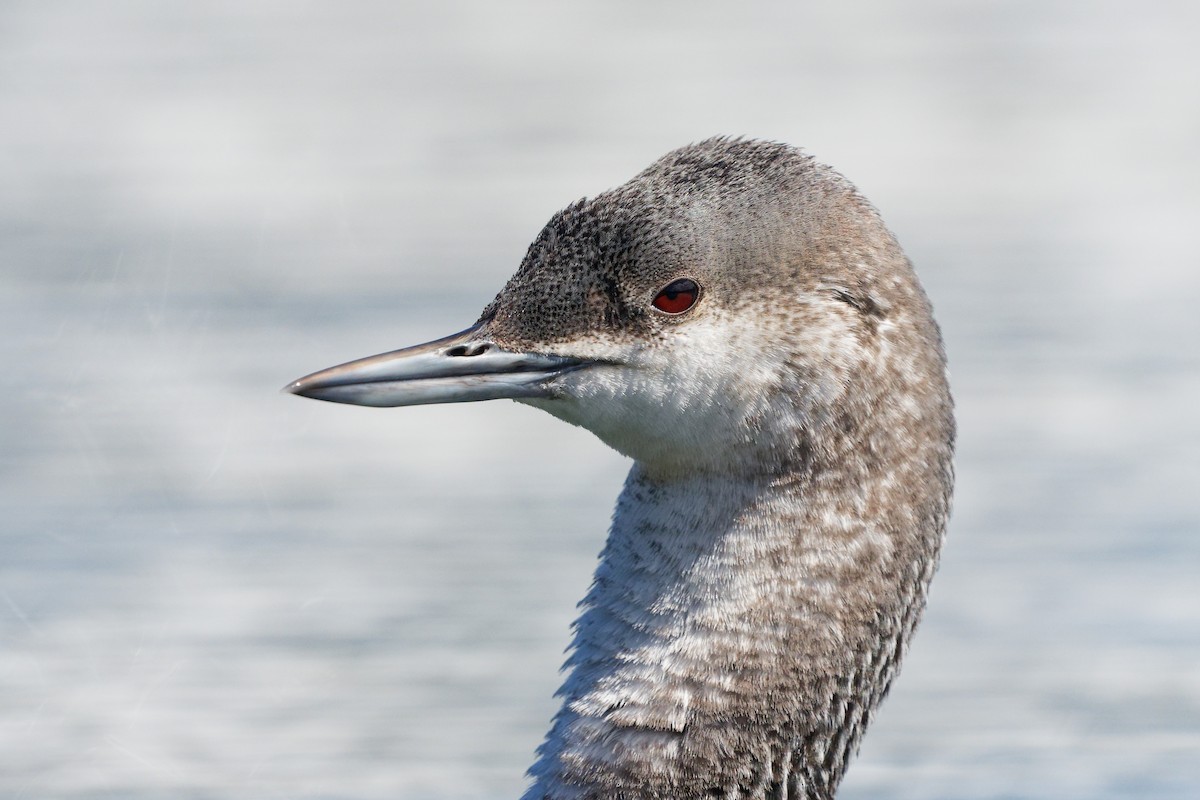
792,436
770,554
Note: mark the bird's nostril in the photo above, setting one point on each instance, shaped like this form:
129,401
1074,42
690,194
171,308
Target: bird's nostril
468,351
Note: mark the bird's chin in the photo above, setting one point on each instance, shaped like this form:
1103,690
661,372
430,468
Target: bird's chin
631,437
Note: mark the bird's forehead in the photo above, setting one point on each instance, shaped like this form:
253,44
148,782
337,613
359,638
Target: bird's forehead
588,271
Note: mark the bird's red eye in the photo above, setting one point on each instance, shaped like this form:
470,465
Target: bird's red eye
677,296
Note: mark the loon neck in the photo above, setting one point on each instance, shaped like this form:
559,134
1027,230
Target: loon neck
735,641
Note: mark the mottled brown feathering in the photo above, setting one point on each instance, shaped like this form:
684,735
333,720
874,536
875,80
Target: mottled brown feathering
829,506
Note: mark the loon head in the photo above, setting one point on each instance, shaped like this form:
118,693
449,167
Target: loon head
736,307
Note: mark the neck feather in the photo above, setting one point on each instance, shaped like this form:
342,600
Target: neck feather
738,637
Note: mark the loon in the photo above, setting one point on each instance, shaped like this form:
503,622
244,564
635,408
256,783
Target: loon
738,321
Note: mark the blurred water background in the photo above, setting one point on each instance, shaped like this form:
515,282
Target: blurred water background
212,590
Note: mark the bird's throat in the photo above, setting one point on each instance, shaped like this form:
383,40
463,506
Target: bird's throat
734,643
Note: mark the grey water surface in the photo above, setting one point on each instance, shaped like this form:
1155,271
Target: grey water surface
209,589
